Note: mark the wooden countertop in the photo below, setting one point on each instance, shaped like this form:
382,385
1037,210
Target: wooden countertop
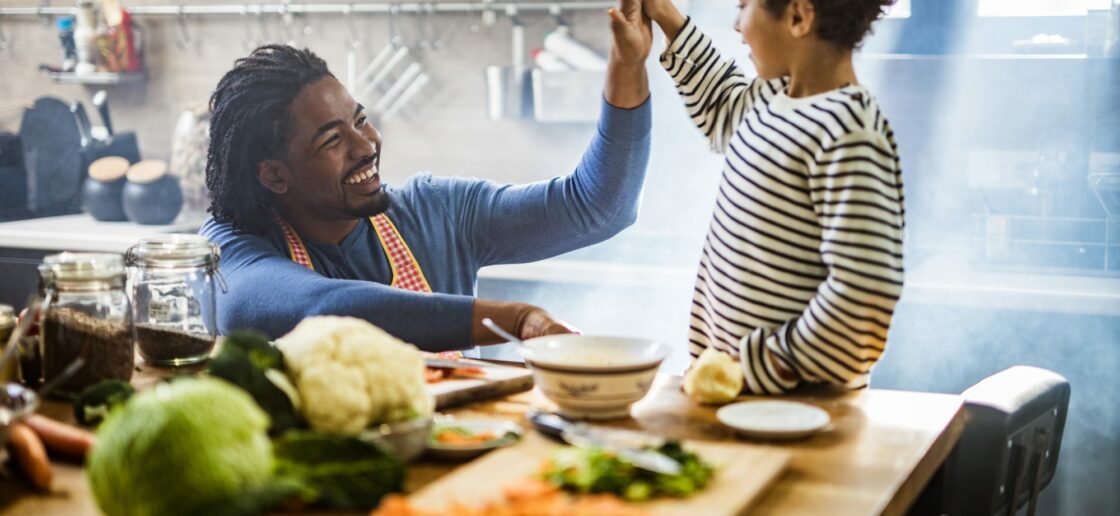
876,457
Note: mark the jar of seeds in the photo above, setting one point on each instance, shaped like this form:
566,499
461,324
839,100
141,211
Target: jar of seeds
85,313
171,281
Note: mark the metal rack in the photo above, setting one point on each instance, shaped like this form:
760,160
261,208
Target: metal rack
285,8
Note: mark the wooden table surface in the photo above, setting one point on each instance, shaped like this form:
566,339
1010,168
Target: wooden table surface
875,458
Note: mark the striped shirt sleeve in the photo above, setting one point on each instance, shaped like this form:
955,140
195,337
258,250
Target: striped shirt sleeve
714,90
856,190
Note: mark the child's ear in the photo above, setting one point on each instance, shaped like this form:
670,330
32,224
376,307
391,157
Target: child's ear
271,174
801,15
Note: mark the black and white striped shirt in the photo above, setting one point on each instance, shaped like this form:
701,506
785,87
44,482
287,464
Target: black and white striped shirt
803,260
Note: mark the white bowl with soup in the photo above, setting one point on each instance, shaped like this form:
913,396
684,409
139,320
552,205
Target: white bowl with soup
592,377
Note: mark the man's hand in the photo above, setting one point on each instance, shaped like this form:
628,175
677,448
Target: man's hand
632,31
538,322
627,86
521,319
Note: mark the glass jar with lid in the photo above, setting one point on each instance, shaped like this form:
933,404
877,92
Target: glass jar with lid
171,281
10,372
85,314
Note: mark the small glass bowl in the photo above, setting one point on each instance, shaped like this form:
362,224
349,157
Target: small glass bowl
17,401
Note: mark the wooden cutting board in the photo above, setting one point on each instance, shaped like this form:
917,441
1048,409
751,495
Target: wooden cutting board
743,473
499,381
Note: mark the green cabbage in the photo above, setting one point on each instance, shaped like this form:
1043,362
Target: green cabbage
192,446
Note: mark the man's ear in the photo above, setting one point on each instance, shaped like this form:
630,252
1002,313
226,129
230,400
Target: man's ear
801,16
271,174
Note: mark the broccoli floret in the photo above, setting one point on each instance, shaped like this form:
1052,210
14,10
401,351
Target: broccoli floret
249,361
95,402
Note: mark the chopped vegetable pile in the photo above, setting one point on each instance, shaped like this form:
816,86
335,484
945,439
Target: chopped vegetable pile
593,470
459,436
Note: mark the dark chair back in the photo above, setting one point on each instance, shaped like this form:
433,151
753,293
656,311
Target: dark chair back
1009,450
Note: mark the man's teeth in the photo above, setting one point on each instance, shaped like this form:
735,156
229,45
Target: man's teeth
359,177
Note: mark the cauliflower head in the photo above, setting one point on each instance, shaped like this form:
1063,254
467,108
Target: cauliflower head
351,374
715,378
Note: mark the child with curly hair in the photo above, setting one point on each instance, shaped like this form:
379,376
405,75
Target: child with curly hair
802,266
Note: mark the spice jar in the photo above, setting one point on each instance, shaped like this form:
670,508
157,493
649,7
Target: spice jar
86,314
171,281
10,372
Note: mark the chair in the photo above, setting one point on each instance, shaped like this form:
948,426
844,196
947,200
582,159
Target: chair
1009,449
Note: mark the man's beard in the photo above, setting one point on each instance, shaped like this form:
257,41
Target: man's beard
377,204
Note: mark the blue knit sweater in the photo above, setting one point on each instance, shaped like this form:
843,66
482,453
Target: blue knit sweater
454,226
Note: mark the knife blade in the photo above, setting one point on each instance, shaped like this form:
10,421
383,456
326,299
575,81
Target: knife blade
581,436
458,363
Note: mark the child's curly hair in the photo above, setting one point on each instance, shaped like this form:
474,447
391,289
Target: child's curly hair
843,22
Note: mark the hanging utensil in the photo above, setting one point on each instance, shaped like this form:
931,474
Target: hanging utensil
183,36
397,87
418,84
3,37
396,51
351,49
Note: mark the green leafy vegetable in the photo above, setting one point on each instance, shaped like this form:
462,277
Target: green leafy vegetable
95,402
181,448
593,470
338,471
250,362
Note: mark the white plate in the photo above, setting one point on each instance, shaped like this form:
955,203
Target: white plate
773,419
507,433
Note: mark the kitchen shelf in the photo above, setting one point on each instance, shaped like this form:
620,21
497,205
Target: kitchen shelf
97,78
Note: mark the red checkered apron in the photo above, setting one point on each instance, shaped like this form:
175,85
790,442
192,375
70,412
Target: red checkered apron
406,271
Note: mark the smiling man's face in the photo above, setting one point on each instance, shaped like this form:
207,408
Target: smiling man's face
333,158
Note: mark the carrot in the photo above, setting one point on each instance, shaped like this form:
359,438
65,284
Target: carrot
66,440
29,452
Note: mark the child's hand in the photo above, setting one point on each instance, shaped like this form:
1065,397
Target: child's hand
667,16
633,33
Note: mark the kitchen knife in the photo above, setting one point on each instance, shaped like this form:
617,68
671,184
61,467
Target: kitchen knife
458,363
580,435
101,102
82,119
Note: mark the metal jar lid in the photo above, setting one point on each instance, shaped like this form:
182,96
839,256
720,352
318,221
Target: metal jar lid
173,251
7,318
81,267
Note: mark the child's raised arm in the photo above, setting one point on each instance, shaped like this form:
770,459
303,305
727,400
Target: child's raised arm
714,90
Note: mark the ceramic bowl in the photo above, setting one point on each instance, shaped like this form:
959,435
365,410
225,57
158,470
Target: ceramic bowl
593,377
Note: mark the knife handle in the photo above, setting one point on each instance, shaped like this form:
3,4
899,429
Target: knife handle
547,423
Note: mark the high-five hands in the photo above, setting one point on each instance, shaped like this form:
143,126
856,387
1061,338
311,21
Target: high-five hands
632,31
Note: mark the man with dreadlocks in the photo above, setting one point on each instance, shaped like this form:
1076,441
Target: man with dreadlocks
306,226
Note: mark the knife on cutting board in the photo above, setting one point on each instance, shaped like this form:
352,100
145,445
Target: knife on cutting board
580,435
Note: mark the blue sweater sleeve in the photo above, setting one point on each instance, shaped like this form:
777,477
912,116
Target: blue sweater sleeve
516,224
268,293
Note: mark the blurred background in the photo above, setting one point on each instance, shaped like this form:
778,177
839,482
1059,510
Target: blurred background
1006,112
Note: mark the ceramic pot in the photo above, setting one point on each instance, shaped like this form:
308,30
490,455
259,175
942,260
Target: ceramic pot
152,196
101,191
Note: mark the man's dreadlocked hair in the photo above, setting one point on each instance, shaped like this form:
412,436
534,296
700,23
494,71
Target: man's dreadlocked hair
250,123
